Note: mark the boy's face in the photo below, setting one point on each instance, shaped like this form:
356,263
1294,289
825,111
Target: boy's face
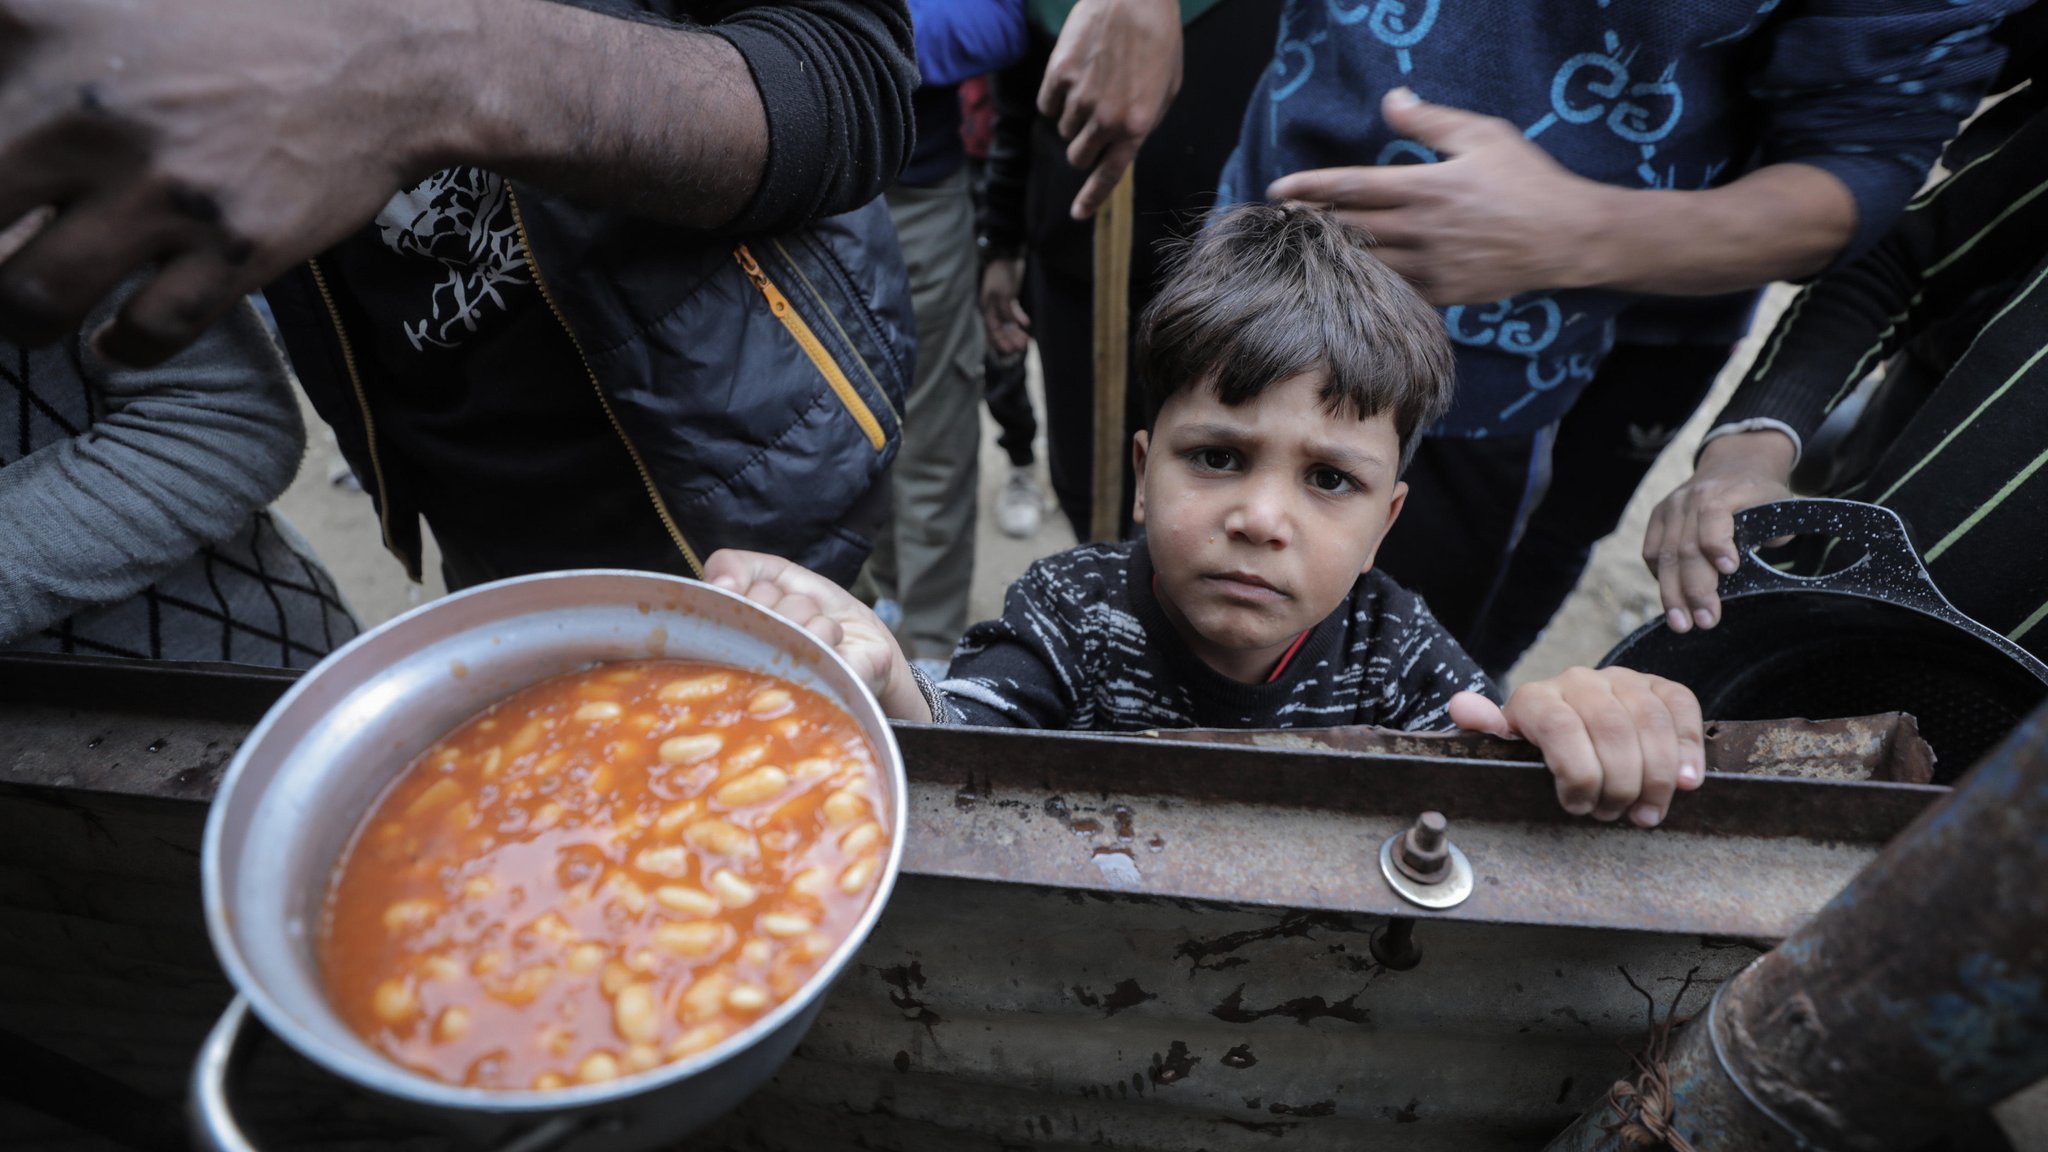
1261,517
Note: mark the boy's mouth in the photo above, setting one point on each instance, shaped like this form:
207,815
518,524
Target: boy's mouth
1246,586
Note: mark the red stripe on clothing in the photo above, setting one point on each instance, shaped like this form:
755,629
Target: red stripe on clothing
1291,650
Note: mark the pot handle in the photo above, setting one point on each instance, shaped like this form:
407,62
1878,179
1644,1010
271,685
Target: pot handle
1887,569
215,1129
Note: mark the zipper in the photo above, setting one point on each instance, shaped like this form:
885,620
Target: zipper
813,348
824,255
355,380
668,521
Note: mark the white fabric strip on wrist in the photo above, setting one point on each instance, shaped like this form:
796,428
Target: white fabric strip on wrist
1756,424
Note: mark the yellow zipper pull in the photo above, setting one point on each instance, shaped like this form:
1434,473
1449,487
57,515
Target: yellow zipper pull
777,302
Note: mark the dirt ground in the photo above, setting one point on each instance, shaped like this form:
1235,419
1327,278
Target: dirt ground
1615,596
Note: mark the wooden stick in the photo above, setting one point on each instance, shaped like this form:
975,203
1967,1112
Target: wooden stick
1112,357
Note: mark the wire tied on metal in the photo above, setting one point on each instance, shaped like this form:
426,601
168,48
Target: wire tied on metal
1643,1107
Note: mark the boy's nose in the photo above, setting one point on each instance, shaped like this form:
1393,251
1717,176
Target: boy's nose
1261,516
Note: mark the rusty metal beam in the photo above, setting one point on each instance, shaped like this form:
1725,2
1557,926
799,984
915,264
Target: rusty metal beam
1214,816
1301,827
1918,995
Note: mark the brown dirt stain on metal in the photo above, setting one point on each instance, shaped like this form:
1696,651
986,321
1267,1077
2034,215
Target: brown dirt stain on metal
1175,1065
1301,1009
1125,995
1270,1128
1300,924
1123,820
1239,1057
903,978
1319,1108
1157,843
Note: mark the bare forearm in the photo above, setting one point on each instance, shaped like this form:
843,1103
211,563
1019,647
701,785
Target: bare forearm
651,118
1782,222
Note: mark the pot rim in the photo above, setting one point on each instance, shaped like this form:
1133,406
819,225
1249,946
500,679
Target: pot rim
388,1077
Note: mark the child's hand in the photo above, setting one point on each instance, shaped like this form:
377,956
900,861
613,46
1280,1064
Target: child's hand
1617,740
830,613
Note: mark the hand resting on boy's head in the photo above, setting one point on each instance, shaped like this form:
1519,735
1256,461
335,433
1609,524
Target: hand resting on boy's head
1618,741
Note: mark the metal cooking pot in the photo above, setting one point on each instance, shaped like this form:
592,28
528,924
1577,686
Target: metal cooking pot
1872,635
321,757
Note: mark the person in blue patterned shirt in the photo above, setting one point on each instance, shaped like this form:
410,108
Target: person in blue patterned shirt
1291,375
1537,169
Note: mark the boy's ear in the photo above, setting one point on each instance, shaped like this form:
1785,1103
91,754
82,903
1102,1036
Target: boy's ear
1140,445
1393,513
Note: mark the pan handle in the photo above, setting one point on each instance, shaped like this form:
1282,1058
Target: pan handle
1887,567
215,1129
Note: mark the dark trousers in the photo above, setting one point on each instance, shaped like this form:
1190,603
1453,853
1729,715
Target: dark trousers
1497,532
1003,389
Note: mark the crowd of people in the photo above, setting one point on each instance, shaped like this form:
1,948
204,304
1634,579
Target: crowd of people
720,287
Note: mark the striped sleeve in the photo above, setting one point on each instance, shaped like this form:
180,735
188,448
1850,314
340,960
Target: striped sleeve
1980,228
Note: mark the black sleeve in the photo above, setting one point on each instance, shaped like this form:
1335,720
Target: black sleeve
1985,225
835,78
1020,669
1014,92
1419,664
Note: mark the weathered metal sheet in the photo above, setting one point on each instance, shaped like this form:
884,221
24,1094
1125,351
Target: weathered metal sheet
1131,942
1005,1016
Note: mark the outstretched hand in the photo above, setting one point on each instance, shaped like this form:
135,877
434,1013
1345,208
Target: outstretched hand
830,613
1495,216
1617,740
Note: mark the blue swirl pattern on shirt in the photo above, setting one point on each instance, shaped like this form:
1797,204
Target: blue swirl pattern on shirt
1663,96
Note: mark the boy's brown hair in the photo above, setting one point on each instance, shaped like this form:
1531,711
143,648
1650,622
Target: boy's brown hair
1268,291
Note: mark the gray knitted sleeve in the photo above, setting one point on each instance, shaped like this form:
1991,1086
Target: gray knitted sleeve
177,457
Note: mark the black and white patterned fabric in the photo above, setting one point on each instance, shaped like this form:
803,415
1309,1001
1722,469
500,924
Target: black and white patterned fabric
256,598
1083,644
133,503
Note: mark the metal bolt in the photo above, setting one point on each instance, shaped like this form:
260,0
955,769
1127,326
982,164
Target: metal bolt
1395,948
1424,852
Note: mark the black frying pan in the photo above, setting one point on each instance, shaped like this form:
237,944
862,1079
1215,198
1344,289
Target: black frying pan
1872,635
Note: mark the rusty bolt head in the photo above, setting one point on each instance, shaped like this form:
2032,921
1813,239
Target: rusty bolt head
1424,852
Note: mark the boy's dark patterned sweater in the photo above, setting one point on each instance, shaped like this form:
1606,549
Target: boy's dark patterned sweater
1083,644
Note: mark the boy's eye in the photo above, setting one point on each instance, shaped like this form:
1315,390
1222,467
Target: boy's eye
1331,480
1214,459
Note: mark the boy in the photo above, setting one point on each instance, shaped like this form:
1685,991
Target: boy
1291,374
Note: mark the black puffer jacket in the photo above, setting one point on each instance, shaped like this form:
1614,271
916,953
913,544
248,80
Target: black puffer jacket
648,394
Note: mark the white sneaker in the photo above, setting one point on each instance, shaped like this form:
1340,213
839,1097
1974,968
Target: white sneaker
1020,506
